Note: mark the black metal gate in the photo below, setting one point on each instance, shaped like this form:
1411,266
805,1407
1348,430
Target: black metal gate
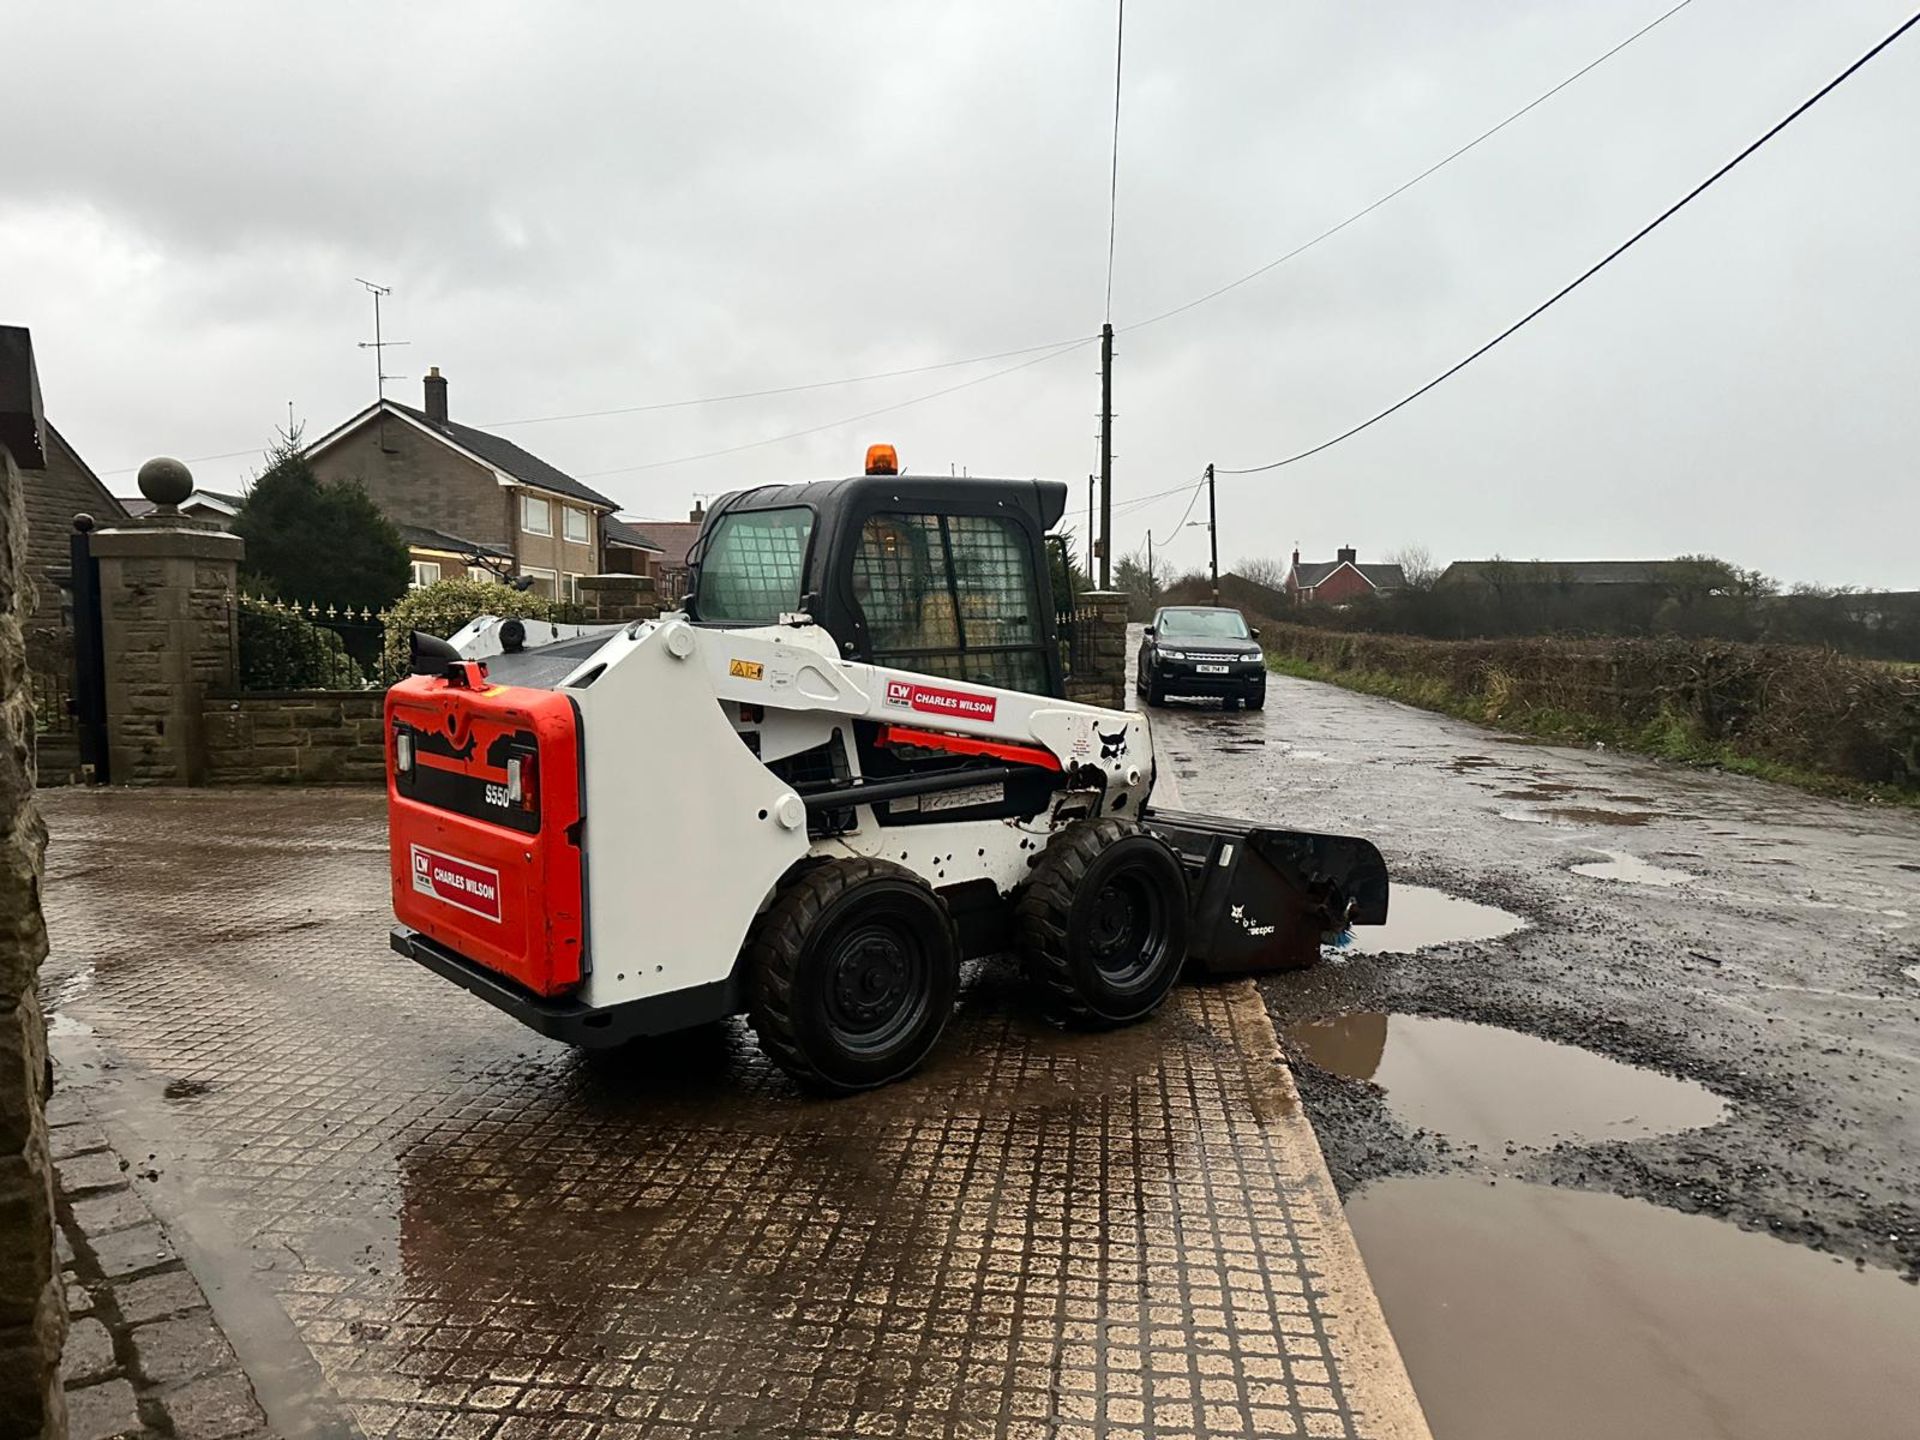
88,704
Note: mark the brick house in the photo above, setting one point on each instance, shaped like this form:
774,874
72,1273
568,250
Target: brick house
630,550
215,506
465,499
1341,580
663,545
66,488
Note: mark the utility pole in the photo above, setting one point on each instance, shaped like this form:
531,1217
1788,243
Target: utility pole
378,344
1106,456
1213,534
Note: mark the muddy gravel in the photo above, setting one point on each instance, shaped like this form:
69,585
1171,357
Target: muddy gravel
1746,937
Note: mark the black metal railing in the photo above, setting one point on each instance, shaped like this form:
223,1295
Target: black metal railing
50,678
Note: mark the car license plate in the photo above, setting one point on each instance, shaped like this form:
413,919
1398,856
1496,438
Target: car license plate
1211,669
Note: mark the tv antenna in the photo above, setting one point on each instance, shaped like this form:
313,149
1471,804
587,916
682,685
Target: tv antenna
378,344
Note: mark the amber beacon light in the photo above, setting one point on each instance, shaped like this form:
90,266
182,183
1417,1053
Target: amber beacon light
881,460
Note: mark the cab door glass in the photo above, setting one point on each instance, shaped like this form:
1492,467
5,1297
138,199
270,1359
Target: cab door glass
951,595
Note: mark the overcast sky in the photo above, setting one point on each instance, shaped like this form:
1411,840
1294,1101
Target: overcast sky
583,207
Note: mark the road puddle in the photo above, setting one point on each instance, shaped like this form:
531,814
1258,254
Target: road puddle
1631,870
1489,1087
1419,918
1592,815
1523,1311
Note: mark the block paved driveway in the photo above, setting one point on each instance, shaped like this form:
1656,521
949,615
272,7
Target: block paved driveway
417,1219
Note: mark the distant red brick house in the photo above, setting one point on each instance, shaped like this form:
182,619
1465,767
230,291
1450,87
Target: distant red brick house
1341,580
655,547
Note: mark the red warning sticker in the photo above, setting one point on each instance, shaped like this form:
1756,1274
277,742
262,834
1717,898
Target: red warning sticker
460,883
932,700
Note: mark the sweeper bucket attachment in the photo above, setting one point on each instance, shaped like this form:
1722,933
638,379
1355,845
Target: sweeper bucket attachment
1265,899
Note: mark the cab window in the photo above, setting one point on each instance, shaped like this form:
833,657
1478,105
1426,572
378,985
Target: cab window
751,572
951,595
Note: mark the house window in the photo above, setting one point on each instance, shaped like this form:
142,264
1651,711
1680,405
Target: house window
425,572
570,586
536,515
579,526
543,581
481,573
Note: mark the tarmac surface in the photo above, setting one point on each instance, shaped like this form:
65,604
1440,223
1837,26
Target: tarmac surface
411,1217
1702,996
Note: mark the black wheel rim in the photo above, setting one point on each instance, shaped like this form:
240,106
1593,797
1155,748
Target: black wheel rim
878,984
1127,928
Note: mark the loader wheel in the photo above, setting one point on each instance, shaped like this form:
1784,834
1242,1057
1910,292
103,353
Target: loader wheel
852,973
1102,927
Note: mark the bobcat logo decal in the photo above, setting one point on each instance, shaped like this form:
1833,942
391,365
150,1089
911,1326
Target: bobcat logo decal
1112,747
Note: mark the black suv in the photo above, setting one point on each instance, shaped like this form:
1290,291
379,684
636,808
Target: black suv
1202,650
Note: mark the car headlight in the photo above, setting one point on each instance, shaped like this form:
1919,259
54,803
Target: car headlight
1173,654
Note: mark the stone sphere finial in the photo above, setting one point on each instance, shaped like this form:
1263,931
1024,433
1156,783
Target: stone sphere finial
83,522
166,482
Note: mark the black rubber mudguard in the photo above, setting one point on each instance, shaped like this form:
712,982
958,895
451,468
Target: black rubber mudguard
1265,899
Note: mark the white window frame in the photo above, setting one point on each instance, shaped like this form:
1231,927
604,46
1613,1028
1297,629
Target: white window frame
585,517
527,503
482,573
420,578
551,577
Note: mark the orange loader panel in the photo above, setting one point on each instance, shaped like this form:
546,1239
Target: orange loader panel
485,824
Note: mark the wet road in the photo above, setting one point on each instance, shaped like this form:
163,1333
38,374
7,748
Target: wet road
1739,938
416,1218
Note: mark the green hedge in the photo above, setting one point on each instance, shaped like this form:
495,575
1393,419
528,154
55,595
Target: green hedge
444,606
1805,710
282,650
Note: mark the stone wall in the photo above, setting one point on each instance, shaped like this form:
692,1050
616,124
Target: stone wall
295,736
618,598
1101,674
33,1316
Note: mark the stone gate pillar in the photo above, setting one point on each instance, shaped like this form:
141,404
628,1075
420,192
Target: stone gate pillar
33,1311
1102,678
167,590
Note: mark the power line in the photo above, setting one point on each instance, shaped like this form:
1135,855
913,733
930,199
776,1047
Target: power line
1113,183
1595,269
790,389
836,424
1405,186
1057,347
1047,350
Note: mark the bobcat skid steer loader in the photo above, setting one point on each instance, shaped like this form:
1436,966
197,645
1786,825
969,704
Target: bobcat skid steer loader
842,769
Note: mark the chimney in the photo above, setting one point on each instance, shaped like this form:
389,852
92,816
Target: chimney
1347,555
1296,554
697,514
436,388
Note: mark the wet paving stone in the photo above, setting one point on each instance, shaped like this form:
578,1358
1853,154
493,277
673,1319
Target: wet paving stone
474,1231
101,1411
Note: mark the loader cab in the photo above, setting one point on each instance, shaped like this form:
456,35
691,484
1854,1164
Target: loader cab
944,576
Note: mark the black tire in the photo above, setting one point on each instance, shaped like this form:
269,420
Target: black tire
1102,926
851,975
1257,700
1156,692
